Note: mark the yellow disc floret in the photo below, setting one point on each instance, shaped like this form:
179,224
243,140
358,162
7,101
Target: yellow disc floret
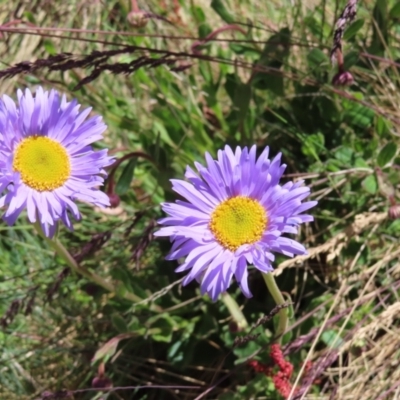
43,163
237,221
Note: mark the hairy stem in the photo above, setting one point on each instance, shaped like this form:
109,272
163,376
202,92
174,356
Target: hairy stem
234,309
279,300
59,248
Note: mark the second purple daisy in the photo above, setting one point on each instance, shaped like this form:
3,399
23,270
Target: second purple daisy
234,215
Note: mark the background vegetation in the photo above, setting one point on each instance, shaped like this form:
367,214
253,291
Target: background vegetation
265,78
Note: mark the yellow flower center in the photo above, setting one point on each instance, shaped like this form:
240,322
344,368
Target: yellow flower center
43,163
237,221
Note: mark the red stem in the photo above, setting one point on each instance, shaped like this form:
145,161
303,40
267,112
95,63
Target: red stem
134,6
213,34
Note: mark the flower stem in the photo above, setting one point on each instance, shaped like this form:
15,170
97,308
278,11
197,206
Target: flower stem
71,262
234,309
279,300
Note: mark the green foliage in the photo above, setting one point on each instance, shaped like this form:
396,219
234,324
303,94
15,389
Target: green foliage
222,11
386,154
268,87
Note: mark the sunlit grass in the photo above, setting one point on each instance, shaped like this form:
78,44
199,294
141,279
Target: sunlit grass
345,293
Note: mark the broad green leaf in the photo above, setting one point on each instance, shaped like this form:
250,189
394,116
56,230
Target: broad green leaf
360,163
313,144
245,50
316,57
351,58
370,184
382,126
173,351
124,181
395,11
124,278
394,228
273,57
242,99
119,323
386,154
219,7
49,47
380,28
198,13
353,29
242,352
29,16
231,83
206,325
359,115
344,154
204,30
134,324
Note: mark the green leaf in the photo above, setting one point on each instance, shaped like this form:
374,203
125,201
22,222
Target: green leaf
219,7
231,83
29,16
162,329
344,154
134,324
353,29
49,47
198,13
313,144
204,30
394,228
246,50
386,154
106,351
205,326
359,115
241,102
312,24
273,57
395,11
173,351
331,339
382,126
124,182
380,28
159,129
244,351
370,184
124,278
119,323
350,59
316,57
360,163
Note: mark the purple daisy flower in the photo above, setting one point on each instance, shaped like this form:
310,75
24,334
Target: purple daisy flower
46,161
234,215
